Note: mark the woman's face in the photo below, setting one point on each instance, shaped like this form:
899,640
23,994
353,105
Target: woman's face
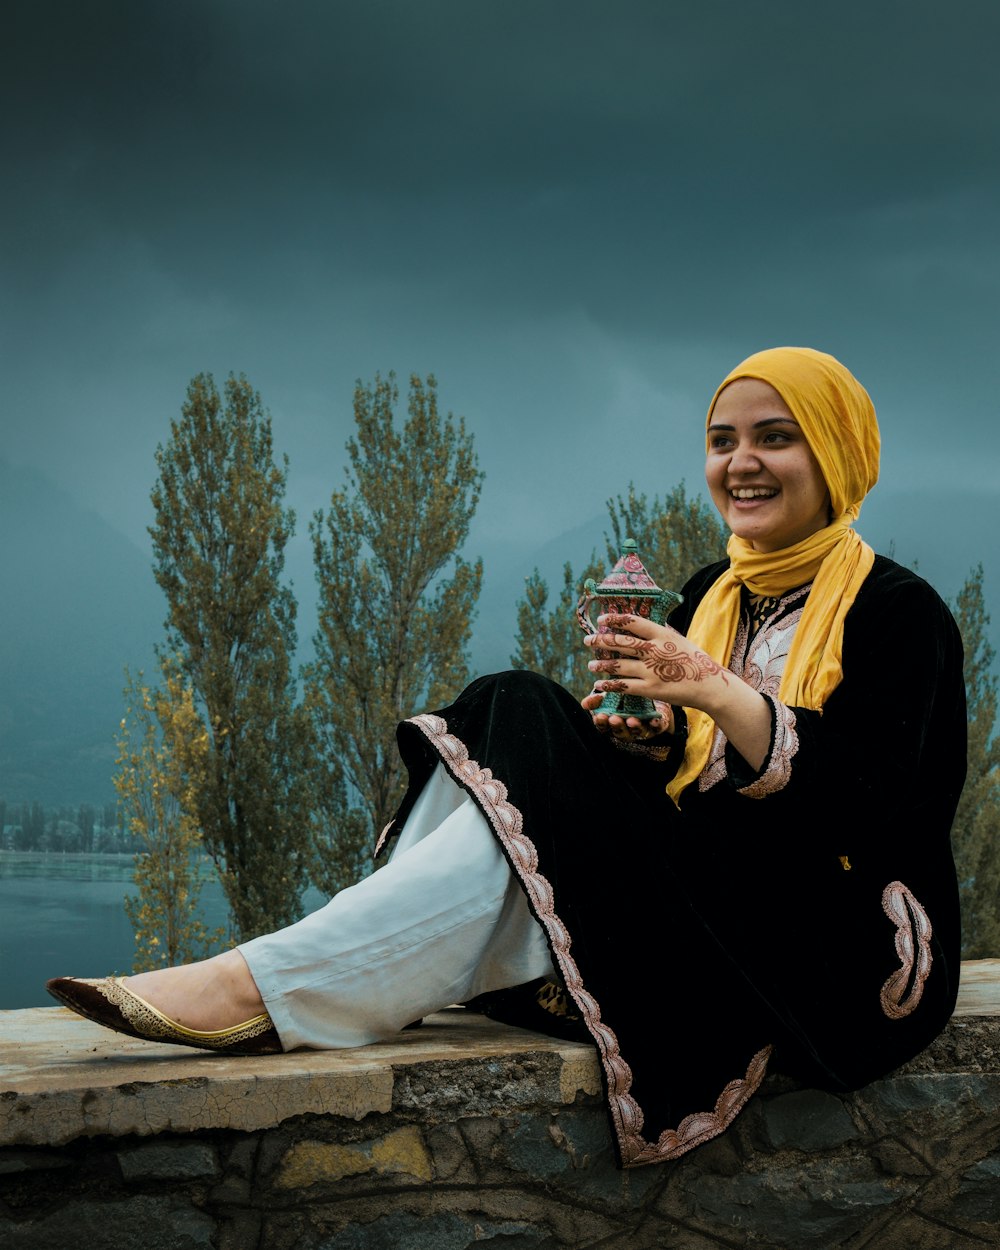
761,472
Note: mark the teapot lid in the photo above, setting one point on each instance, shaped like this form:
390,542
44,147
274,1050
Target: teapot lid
629,574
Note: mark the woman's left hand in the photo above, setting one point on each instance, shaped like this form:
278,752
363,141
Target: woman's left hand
629,728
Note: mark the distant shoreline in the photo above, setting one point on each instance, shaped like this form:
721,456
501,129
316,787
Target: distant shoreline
62,855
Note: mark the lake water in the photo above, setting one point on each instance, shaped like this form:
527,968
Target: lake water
62,915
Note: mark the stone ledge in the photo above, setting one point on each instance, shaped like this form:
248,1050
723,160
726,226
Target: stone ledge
467,1131
62,1077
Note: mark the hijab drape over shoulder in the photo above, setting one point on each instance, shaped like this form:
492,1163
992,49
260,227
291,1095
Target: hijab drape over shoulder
837,418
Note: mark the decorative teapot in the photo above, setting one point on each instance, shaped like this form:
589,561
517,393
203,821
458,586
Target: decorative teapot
628,588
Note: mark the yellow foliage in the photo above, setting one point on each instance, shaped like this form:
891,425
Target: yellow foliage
162,756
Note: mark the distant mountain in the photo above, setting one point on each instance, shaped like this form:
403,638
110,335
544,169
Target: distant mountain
80,604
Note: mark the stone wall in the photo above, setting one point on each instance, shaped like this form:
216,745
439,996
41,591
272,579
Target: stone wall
465,1133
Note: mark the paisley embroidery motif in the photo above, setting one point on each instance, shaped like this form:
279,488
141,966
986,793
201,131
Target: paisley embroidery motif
760,652
902,992
551,997
507,822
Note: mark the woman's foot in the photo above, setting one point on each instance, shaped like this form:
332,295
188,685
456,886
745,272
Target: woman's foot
199,995
216,993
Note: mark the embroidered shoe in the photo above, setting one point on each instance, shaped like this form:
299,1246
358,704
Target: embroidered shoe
109,1002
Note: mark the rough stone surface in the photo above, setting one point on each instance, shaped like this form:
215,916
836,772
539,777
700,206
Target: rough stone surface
400,1154
31,1161
807,1119
443,1229
978,1197
824,1202
241,1231
465,1133
913,1232
174,1162
155,1223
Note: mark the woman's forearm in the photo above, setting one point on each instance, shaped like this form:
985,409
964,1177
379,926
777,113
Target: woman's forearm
742,713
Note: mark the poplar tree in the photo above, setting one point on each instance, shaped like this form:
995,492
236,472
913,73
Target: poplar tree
976,831
676,536
396,604
218,540
162,756
549,640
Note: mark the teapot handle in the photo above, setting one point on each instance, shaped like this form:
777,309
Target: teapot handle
583,607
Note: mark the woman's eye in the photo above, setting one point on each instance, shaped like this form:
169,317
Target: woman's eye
719,441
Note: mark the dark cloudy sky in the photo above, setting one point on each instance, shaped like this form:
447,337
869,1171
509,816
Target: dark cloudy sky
579,215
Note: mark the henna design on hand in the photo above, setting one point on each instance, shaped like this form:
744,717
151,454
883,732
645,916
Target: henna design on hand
604,666
617,620
671,664
611,687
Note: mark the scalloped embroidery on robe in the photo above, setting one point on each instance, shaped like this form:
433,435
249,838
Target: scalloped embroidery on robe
507,822
903,990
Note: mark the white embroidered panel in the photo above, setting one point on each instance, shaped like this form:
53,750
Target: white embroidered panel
760,661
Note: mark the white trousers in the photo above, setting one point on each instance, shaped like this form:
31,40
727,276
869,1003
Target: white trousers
443,921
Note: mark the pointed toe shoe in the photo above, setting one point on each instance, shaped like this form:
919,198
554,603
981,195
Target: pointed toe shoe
108,1001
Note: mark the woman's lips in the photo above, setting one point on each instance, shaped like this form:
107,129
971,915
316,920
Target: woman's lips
752,494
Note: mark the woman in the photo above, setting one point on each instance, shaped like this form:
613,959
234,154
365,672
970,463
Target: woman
766,865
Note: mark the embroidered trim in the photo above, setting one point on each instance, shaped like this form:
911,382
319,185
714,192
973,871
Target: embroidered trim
647,749
913,946
382,839
702,1126
626,1114
778,769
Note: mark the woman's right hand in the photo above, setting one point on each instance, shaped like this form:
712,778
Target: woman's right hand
654,661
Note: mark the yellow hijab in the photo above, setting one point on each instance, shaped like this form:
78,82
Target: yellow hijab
838,420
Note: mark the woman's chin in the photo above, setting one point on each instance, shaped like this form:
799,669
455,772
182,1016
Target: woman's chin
760,537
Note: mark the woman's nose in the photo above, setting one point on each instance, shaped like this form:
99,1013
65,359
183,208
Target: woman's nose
744,460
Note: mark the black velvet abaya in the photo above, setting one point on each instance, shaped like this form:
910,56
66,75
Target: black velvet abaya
804,916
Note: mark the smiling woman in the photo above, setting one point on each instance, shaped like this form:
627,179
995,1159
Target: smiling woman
761,471
759,875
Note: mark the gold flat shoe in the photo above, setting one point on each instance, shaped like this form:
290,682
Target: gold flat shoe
108,1001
